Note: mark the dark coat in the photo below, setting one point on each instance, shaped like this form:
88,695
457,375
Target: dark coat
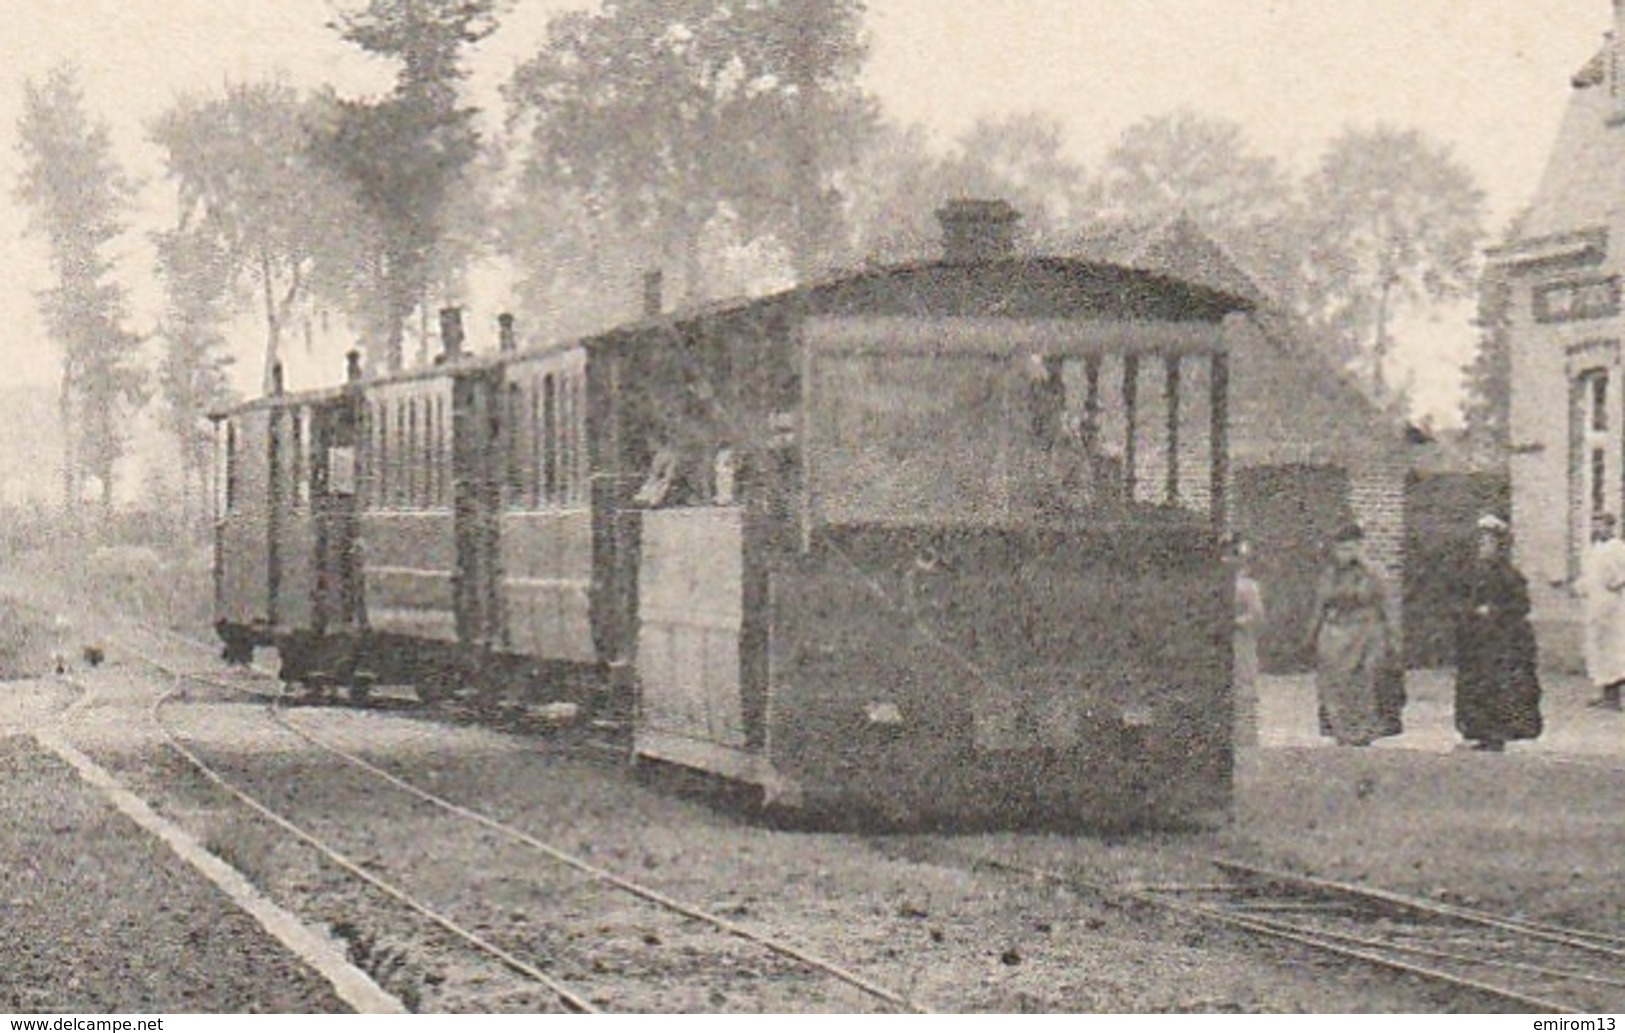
1497,681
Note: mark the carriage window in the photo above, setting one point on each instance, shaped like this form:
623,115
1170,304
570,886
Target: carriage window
513,466
561,413
414,457
567,439
294,427
380,466
431,454
438,408
550,428
231,472
398,458
583,472
536,440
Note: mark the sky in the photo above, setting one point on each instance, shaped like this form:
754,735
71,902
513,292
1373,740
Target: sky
1488,77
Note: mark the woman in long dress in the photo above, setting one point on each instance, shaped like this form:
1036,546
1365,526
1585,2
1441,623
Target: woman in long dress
1358,678
1249,618
1497,679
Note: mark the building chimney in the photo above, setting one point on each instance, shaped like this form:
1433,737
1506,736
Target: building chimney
278,380
352,366
1614,64
505,335
451,333
977,230
653,283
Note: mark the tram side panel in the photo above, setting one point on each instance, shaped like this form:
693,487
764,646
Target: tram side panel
1008,685
243,608
293,527
545,560
408,544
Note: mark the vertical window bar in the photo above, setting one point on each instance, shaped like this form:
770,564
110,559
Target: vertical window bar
1171,367
413,459
1131,389
1219,436
537,440
550,459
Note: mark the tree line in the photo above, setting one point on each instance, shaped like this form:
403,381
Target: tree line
730,143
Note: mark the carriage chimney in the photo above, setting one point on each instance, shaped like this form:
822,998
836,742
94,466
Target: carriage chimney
975,230
505,336
653,287
352,366
451,334
278,378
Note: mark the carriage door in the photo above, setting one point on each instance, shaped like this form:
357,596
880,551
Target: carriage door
477,436
333,490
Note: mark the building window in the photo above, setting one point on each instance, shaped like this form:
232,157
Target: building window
1595,463
1576,300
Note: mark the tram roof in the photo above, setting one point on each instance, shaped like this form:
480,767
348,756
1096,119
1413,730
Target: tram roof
1015,287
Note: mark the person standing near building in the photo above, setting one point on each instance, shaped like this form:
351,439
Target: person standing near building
1357,672
1497,675
1602,586
1249,620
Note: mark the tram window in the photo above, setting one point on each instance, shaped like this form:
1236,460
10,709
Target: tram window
580,425
397,453
376,455
1150,432
414,457
231,471
431,454
512,444
1045,439
567,439
293,427
535,440
550,428
440,464
562,415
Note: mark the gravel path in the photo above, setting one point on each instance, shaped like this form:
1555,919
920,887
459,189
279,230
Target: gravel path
100,918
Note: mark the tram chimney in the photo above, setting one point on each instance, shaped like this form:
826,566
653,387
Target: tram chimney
976,230
352,366
278,378
451,333
653,286
505,333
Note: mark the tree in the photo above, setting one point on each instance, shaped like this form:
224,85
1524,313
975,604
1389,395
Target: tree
1395,221
77,196
405,154
660,114
253,198
1204,168
901,182
192,374
1487,410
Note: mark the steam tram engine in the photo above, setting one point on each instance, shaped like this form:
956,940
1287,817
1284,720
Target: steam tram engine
938,540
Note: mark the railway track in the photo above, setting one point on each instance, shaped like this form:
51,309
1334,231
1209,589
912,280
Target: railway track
1484,958
793,962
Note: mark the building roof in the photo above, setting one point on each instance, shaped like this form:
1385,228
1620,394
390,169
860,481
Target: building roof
1585,175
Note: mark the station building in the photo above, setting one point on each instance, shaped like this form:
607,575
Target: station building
1562,273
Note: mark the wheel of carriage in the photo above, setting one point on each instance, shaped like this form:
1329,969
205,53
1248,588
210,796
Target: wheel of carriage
321,687
436,686
361,686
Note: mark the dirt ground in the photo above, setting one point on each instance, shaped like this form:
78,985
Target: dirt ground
100,918
1533,832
